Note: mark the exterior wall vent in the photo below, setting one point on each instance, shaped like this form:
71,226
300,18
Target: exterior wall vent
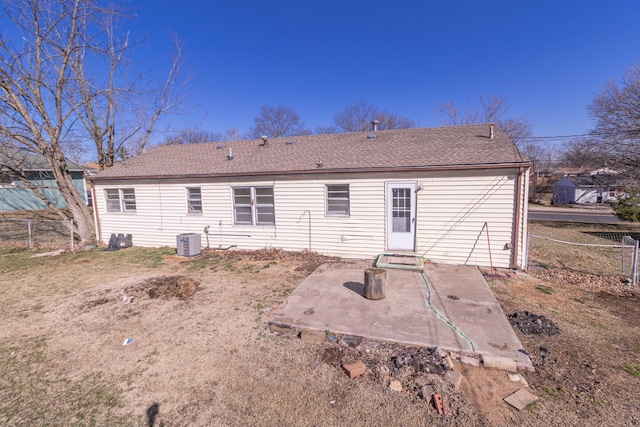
188,244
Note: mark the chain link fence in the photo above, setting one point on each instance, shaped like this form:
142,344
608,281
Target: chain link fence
36,233
592,252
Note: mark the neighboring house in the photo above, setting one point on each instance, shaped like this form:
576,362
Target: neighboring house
442,193
596,188
14,193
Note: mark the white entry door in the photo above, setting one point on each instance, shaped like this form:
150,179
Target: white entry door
401,216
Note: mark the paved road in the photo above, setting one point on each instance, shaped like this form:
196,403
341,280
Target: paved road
573,215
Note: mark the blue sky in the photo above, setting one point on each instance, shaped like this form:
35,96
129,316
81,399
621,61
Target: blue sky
548,58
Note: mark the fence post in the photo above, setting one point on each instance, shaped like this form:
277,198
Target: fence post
634,269
29,230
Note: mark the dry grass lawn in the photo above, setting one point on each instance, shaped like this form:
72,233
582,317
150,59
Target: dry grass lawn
207,358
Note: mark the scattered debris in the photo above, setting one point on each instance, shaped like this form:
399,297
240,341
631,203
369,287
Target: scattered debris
355,369
576,278
351,341
44,254
533,324
521,399
454,378
395,385
518,378
128,341
165,287
439,403
419,359
428,391
310,335
544,352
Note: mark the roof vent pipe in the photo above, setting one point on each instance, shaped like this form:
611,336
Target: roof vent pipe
491,130
230,155
375,125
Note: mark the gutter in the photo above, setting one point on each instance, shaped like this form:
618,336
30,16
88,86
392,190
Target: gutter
97,178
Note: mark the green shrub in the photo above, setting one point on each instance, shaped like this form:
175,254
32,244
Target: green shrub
628,206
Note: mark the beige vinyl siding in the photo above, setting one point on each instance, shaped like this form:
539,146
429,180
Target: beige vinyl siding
452,208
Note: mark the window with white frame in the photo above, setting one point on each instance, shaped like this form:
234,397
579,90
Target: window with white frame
338,200
253,206
120,199
194,200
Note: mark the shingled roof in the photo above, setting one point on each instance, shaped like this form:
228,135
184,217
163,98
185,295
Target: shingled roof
452,147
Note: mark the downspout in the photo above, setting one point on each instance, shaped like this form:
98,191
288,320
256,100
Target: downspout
516,231
96,222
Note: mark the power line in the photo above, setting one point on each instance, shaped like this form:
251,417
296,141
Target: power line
591,134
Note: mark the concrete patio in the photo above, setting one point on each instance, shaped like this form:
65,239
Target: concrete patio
434,305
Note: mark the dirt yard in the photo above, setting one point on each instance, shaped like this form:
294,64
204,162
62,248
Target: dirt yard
200,351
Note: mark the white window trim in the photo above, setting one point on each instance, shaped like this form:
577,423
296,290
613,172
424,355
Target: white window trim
8,180
187,193
326,201
121,201
254,206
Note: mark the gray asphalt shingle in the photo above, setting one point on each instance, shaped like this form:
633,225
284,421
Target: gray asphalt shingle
452,146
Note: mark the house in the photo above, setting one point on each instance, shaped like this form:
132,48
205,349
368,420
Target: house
595,188
451,194
15,194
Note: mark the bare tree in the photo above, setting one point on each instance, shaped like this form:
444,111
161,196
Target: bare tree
119,115
54,93
324,130
277,122
357,117
616,112
493,109
544,155
585,152
195,136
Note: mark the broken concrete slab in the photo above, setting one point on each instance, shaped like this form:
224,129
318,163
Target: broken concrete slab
524,366
470,361
521,399
518,378
428,391
448,362
351,341
498,362
311,335
282,329
454,378
354,369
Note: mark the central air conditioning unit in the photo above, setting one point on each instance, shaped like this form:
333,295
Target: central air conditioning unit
188,244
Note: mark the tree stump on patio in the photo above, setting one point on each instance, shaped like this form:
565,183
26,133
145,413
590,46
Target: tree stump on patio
375,280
